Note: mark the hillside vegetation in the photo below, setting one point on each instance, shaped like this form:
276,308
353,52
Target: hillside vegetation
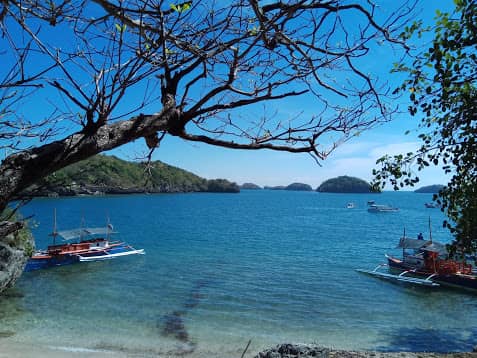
103,174
299,187
345,184
434,189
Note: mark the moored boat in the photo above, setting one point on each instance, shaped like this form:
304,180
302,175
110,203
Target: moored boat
91,244
426,262
376,208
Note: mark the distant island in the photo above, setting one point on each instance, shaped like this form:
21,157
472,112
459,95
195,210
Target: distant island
299,187
291,187
345,184
279,187
103,174
433,189
250,186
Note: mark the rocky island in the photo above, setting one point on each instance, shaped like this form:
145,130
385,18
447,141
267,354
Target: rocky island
345,184
299,187
250,186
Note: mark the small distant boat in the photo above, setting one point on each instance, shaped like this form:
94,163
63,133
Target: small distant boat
92,244
350,205
430,205
375,208
371,202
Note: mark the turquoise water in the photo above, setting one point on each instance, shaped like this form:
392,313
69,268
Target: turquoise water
220,269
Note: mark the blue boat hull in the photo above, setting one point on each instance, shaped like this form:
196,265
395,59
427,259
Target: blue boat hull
43,262
34,264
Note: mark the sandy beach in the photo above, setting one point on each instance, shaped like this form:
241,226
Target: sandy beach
9,348
12,349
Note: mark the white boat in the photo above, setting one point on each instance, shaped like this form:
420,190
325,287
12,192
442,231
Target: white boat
375,208
350,205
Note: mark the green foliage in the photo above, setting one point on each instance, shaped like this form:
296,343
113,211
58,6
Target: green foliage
180,8
345,184
442,89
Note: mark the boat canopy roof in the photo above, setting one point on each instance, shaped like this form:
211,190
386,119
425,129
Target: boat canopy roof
426,245
82,232
436,247
415,244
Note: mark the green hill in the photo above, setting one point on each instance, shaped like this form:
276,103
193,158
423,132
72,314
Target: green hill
345,184
250,186
103,174
433,189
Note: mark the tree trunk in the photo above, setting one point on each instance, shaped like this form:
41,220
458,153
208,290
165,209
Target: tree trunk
20,170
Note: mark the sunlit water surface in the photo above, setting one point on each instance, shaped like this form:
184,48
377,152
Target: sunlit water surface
220,269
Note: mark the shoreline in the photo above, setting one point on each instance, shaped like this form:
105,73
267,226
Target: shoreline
10,348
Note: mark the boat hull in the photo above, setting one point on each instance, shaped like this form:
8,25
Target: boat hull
451,280
44,261
38,262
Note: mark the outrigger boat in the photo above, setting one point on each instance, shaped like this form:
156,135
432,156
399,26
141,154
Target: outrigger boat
427,265
93,244
375,208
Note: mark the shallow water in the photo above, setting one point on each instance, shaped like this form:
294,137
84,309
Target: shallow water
220,269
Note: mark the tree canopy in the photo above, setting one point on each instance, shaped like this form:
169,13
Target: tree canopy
442,89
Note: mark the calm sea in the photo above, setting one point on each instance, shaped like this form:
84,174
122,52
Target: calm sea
221,269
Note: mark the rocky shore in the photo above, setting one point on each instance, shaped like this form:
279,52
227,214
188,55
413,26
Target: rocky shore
313,351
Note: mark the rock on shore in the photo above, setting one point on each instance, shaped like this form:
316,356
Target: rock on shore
14,252
308,351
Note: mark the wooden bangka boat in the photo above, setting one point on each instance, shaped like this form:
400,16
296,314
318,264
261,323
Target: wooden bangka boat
93,244
428,265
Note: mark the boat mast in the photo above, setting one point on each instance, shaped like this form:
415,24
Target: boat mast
430,230
109,227
54,227
404,238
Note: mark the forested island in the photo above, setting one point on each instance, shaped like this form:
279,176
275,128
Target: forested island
250,186
345,184
433,189
299,187
103,174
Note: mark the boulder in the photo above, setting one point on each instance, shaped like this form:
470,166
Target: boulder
15,248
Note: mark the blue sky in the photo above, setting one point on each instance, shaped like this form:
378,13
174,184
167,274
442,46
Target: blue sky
356,157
